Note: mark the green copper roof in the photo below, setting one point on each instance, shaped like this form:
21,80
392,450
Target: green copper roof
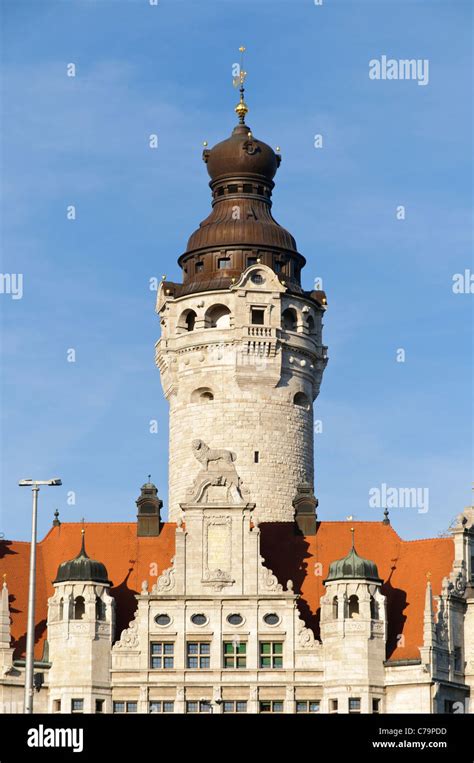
82,568
353,566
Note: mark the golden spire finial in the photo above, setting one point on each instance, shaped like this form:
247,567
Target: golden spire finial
241,109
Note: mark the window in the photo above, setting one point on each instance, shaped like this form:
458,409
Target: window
301,400
271,654
223,263
237,706
256,457
61,609
187,321
79,608
159,706
257,316
201,706
235,654
277,266
335,608
457,659
251,261
353,605
310,324
198,655
125,707
374,608
217,317
235,619
354,704
257,279
199,619
100,609
376,706
288,319
162,620
271,706
271,618
232,188
162,655
247,188
308,706
202,395
77,705
99,705
198,267
56,705
333,705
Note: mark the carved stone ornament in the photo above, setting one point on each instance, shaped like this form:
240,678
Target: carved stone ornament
129,636
166,581
217,481
268,581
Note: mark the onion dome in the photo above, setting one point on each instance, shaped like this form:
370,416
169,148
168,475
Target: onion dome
82,568
242,155
353,567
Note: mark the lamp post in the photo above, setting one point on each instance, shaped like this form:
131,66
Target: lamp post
30,631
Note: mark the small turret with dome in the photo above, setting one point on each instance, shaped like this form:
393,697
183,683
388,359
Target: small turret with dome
82,568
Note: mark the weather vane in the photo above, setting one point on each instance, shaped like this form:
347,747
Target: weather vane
241,109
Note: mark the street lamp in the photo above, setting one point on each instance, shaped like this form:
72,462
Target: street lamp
30,631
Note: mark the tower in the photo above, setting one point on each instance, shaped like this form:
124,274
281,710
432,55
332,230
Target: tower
81,622
353,632
241,355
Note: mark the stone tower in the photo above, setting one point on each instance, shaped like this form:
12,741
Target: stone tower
354,633
81,623
241,355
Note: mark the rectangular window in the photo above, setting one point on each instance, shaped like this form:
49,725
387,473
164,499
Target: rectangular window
132,707
235,654
159,706
256,457
198,655
203,706
271,706
223,263
199,267
354,704
251,261
77,705
119,707
308,706
333,705
271,654
238,706
56,706
162,655
258,316
277,266
457,659
376,706
99,705
125,707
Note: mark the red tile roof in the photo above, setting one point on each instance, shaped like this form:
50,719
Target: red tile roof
402,565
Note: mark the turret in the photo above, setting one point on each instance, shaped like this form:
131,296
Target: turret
81,621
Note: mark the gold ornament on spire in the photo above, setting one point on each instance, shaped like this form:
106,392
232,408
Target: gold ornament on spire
241,109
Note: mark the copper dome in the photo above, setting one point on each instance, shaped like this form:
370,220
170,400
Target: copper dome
241,155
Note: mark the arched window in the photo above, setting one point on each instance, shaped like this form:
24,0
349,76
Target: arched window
374,608
301,400
79,608
217,317
99,609
353,605
186,321
310,324
202,395
335,608
61,608
289,319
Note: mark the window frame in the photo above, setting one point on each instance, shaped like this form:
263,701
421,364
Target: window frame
274,655
164,656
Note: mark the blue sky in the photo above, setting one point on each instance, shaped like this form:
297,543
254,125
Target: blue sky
84,141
